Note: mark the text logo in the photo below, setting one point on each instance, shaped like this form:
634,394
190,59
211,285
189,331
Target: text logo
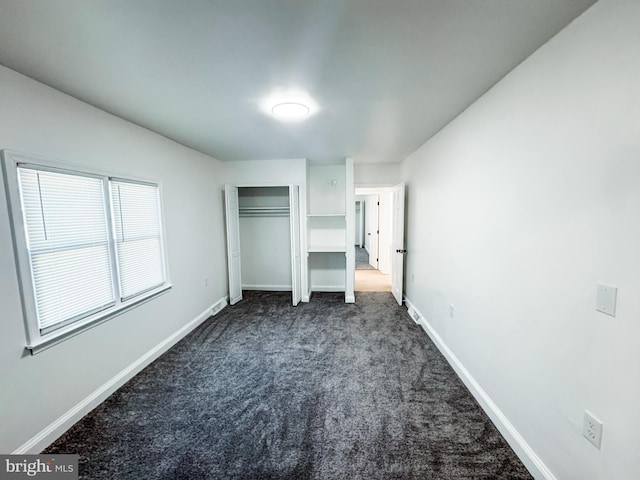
50,467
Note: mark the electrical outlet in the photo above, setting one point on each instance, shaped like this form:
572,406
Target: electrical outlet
205,281
452,310
413,278
592,429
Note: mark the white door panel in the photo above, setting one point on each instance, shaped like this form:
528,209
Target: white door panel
374,225
294,219
233,243
397,243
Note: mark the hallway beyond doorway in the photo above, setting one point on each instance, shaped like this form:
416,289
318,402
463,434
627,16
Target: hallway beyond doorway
362,259
372,281
368,278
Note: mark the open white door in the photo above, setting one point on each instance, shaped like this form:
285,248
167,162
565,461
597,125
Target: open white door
374,230
294,220
233,243
359,223
397,243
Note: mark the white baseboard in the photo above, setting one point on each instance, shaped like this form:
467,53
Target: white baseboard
529,458
328,288
49,434
268,288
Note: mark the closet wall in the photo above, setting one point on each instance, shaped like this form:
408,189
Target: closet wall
265,238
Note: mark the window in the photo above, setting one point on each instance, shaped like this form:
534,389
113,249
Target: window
68,244
88,245
136,216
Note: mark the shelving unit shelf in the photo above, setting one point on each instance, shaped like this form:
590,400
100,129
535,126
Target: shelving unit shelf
327,232
326,248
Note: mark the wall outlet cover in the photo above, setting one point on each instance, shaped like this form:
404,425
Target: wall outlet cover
606,299
592,429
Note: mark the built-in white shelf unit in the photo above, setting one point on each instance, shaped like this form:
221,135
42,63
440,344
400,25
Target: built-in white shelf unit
329,187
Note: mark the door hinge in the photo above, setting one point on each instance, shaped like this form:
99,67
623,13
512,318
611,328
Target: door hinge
378,232
378,203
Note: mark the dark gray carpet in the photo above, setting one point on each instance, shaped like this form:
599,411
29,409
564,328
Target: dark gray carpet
362,259
325,390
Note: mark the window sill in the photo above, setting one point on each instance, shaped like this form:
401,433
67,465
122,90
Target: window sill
58,336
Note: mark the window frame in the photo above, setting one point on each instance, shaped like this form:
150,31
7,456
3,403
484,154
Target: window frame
37,339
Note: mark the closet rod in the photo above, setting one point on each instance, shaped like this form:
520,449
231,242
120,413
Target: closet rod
264,211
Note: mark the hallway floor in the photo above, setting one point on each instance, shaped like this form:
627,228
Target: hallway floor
372,281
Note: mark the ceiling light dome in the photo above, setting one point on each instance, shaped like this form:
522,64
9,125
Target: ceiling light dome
290,110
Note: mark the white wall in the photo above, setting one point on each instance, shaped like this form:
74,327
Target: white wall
377,174
265,249
516,210
36,390
327,192
268,172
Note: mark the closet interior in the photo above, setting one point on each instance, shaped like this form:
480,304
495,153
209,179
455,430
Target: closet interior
265,238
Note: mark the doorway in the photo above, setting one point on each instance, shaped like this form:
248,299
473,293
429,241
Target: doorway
380,261
373,240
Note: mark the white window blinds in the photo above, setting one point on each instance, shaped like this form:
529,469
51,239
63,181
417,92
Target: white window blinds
138,233
68,245
87,245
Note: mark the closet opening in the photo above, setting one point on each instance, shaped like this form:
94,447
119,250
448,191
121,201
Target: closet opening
263,239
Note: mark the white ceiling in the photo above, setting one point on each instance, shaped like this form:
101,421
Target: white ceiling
385,74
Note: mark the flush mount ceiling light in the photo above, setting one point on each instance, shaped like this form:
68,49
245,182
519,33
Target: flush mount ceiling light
290,110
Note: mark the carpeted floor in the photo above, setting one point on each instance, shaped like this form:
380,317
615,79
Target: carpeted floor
362,259
325,390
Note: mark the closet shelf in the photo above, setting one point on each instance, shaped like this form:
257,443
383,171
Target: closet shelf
326,248
264,211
